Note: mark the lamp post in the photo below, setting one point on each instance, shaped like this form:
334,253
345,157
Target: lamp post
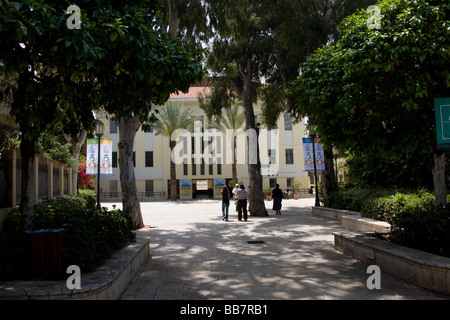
99,127
313,136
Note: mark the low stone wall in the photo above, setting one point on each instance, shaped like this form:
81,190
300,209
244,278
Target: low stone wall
352,220
332,213
106,283
358,223
423,269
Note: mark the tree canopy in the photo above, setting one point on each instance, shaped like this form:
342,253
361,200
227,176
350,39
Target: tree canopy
373,91
116,57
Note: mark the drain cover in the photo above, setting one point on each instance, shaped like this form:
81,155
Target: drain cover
255,241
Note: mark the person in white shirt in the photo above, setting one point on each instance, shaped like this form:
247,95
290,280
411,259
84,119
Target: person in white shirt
236,188
241,196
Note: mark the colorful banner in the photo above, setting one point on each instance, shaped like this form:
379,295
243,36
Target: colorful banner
105,156
308,154
91,156
185,189
218,185
320,155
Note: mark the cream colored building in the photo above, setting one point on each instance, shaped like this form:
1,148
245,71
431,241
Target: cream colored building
281,154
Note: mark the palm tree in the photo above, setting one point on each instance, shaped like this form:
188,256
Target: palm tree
172,118
233,124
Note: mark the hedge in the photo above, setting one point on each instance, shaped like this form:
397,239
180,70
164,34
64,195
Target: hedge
93,235
415,220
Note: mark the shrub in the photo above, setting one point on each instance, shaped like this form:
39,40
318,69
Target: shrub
351,199
415,220
92,235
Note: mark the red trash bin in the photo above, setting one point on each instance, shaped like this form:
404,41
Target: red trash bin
46,246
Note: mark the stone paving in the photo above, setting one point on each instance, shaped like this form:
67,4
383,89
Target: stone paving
194,255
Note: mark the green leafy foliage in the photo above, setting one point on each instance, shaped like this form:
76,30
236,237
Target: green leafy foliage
352,198
406,169
93,236
415,220
367,92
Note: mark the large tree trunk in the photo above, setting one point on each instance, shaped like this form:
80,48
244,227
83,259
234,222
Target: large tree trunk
130,201
257,206
173,174
329,184
75,150
27,198
440,191
234,165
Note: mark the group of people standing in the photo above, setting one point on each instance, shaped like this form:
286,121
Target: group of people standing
240,196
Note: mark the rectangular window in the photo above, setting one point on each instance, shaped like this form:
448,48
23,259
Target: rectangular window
149,158
287,123
202,167
219,169
211,166
112,126
114,159
194,167
272,182
289,156
185,167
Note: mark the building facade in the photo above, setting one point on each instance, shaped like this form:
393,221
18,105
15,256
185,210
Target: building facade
204,157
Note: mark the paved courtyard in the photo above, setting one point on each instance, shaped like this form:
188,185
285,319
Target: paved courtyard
194,255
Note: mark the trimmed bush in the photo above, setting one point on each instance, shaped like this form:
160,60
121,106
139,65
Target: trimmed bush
352,199
93,236
415,220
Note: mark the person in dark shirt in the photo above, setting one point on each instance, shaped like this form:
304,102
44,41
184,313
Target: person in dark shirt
277,197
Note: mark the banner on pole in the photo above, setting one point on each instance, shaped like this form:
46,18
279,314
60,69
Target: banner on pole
320,155
308,154
105,156
91,156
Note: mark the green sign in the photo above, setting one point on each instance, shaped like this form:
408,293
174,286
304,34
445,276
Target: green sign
442,111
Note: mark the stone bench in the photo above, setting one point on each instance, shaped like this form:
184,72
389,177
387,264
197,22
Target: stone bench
358,223
352,220
332,213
